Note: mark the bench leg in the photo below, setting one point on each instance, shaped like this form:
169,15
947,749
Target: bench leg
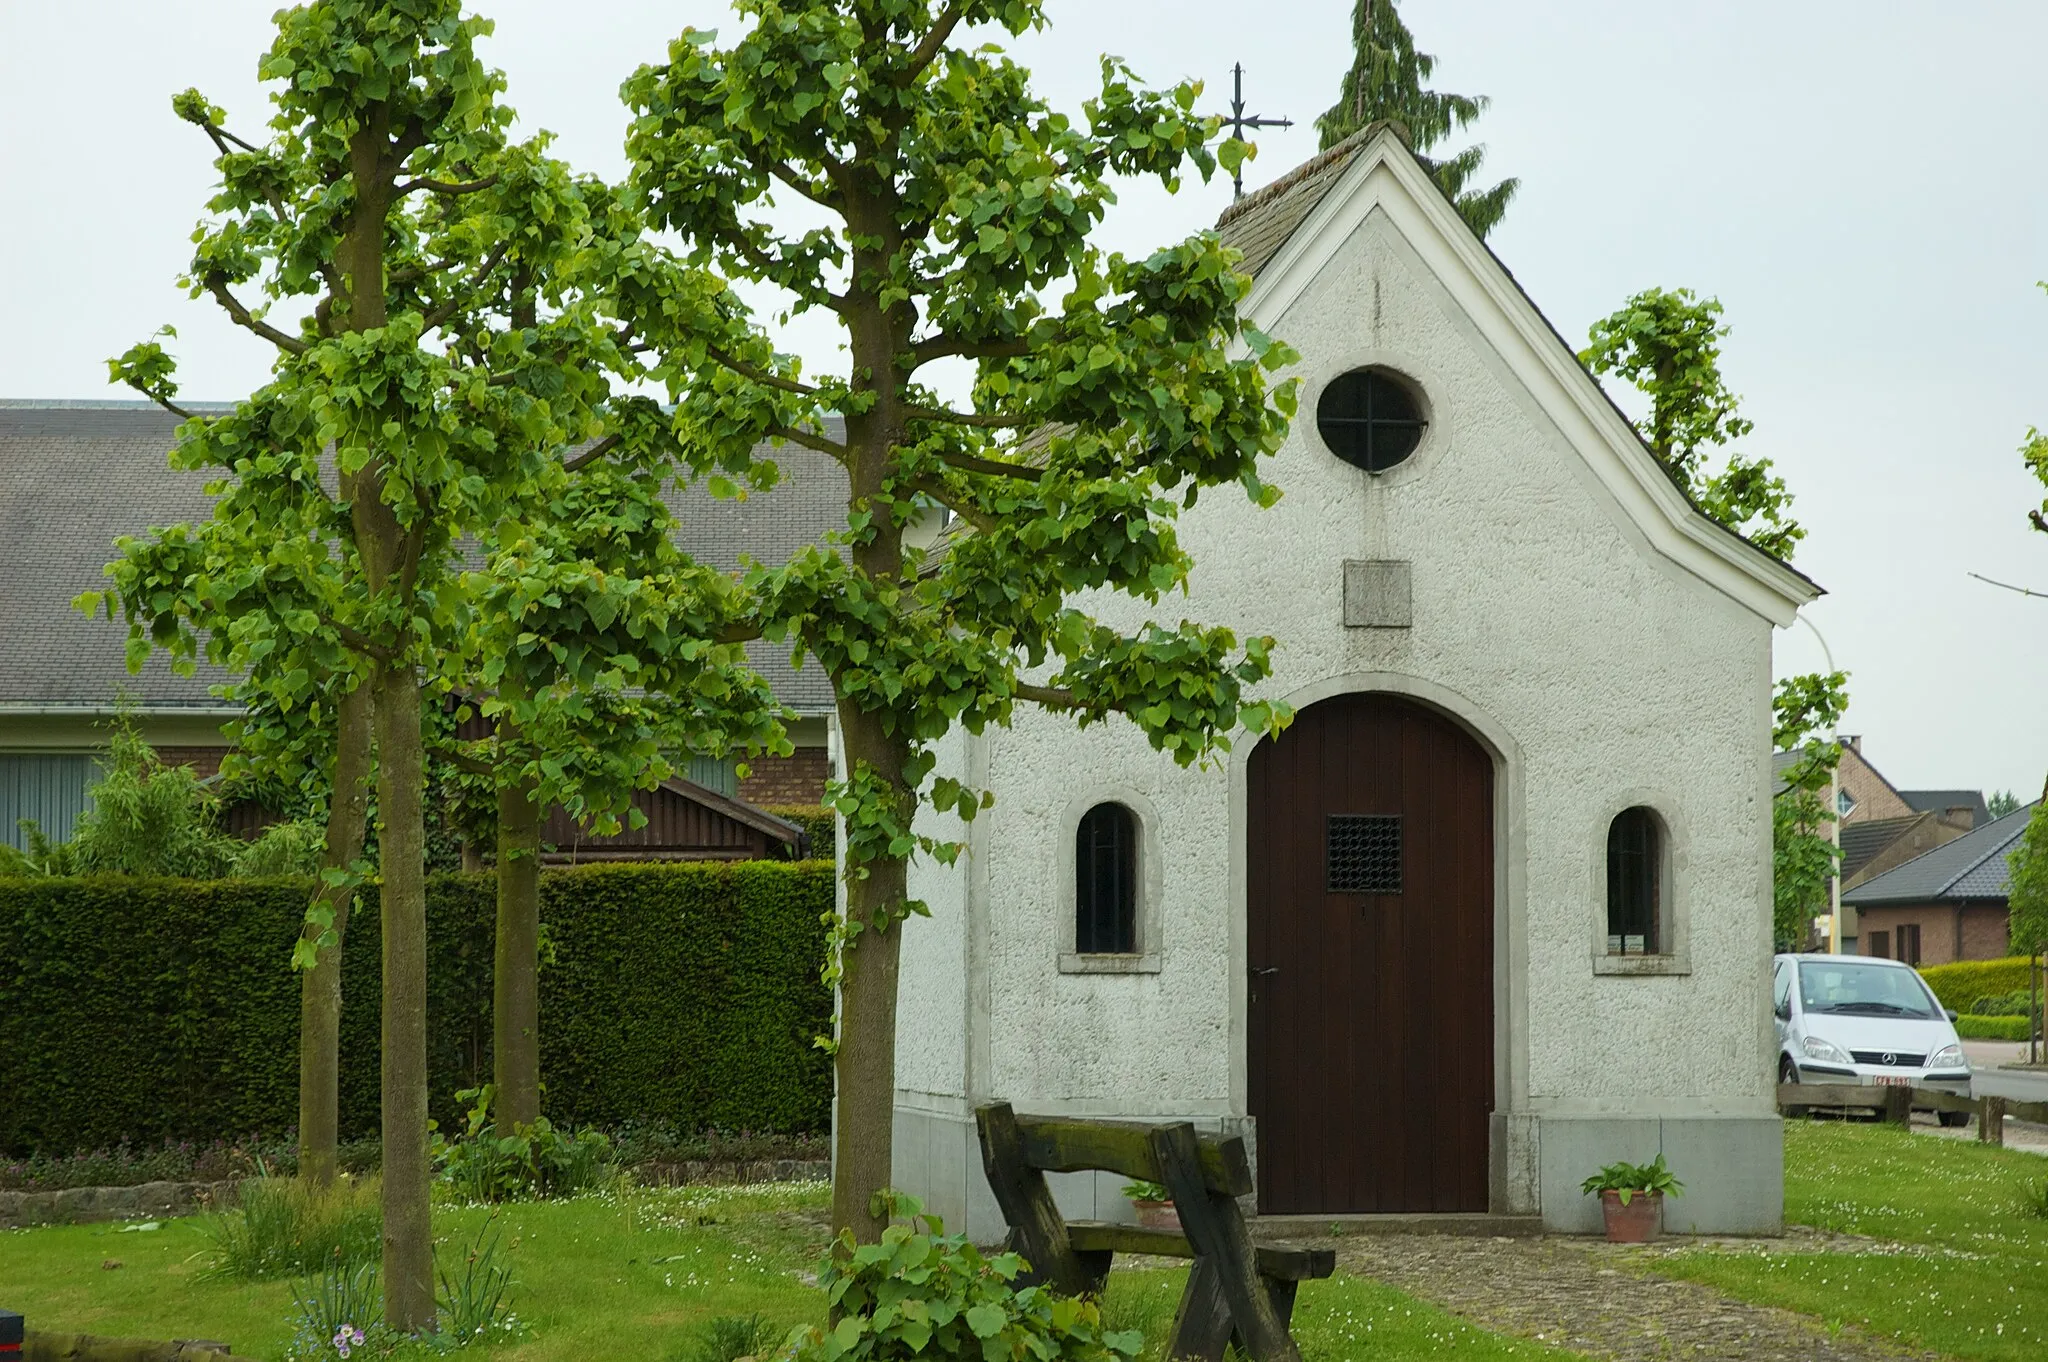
1281,1293
1201,1327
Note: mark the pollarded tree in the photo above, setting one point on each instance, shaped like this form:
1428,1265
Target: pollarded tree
403,414
1388,81
955,213
594,650
254,589
1668,344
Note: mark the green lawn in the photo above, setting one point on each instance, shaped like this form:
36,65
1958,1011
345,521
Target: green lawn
1962,1266
629,1277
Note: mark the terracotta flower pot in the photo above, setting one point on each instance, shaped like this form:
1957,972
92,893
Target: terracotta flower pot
1157,1215
1636,1223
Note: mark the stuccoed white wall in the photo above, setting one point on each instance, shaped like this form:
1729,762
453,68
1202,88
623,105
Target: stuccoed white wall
931,1064
1541,615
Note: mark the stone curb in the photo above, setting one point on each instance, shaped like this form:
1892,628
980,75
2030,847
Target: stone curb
83,1205
86,1205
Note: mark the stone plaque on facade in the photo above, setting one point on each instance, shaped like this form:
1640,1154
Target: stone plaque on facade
1378,594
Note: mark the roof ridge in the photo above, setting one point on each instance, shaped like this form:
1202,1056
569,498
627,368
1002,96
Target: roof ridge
1994,846
1266,193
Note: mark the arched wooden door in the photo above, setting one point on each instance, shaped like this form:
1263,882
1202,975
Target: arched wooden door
1370,902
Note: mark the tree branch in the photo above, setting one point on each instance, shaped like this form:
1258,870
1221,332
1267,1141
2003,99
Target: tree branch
2008,585
1049,696
969,463
462,296
363,643
172,407
988,420
809,441
970,513
443,187
928,50
780,171
591,455
945,347
759,375
217,286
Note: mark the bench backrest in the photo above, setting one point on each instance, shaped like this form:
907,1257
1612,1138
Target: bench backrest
1070,1146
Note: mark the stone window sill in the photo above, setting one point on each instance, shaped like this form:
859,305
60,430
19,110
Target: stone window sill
1073,963
1641,964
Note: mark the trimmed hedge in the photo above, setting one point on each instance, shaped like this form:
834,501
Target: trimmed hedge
1964,982
818,820
1973,1027
146,1010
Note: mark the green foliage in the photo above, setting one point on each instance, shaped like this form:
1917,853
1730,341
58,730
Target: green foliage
1962,983
285,1228
475,1291
727,1338
1804,855
532,1162
1633,1180
147,818
923,1293
1668,344
1971,1026
1388,81
2001,802
1147,1191
339,1313
2014,1004
289,848
151,1009
820,824
2027,899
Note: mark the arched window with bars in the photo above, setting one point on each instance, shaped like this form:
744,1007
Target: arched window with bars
1106,881
1635,888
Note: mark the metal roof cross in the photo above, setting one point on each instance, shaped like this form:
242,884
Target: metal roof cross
1239,120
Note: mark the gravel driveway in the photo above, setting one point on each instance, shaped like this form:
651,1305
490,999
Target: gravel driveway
1591,1296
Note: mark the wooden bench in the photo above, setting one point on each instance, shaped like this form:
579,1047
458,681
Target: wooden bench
1237,1291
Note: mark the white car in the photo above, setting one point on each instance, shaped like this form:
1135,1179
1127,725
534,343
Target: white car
1861,1019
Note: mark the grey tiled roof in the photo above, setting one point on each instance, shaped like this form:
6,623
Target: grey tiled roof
72,478
1973,866
1260,223
75,475
1941,801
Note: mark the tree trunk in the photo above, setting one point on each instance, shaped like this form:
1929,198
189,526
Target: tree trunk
515,980
320,988
864,1067
401,786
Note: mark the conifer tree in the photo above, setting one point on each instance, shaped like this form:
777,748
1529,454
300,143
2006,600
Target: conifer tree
1389,82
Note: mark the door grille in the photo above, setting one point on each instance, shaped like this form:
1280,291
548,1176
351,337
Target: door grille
1363,851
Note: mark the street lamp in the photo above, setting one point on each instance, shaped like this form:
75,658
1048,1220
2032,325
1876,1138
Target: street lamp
1835,821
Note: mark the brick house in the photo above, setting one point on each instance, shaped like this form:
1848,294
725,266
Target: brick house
1943,905
76,475
1883,827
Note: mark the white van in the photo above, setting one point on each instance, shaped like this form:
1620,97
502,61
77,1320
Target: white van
1860,1019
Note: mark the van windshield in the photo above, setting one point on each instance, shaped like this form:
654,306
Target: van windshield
1863,990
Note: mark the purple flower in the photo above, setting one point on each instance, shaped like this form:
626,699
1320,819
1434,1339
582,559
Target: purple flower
346,1337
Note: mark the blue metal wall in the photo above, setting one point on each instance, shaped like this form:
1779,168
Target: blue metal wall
46,786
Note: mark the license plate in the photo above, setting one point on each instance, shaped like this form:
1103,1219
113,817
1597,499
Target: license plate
1894,1081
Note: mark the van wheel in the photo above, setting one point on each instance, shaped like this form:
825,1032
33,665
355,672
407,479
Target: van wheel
1788,1072
1952,1119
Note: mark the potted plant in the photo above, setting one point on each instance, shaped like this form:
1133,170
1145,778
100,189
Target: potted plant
1154,1205
1632,1198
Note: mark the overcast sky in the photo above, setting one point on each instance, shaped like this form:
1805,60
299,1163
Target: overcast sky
1862,184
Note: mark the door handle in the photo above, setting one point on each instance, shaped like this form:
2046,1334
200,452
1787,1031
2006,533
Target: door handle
1273,969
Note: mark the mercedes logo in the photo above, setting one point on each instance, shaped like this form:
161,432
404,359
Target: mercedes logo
1888,1058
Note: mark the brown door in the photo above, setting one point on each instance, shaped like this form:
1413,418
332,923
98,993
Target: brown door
1370,903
